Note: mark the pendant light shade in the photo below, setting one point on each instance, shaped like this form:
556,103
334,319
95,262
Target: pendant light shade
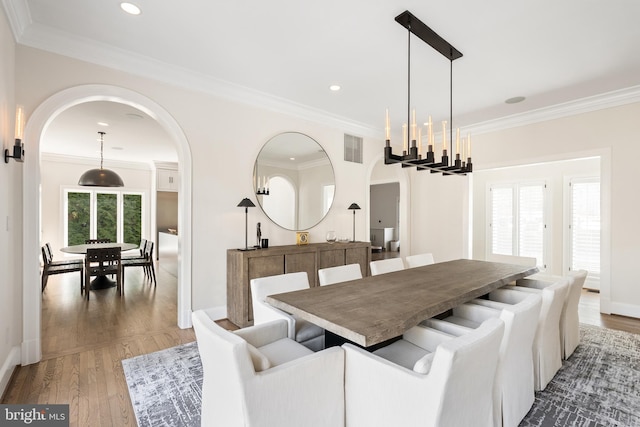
100,177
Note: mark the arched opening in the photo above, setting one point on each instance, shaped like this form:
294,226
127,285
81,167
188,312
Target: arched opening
40,119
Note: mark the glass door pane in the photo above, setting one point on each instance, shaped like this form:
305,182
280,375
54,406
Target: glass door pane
78,218
107,216
132,217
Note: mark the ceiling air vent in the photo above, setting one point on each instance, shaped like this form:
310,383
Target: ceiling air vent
352,148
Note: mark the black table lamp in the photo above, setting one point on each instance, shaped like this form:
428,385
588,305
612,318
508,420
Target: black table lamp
354,207
246,204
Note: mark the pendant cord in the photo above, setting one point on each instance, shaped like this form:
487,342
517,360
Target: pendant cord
101,148
409,88
451,105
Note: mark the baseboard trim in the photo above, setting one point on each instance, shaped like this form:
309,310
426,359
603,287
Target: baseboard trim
623,309
9,365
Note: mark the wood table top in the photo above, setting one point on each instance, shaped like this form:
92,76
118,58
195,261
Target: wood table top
374,309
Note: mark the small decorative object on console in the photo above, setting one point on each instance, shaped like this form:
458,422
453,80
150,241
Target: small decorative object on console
302,237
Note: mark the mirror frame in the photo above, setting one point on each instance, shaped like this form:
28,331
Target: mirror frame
256,184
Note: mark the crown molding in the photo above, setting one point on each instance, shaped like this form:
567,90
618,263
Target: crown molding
92,162
579,106
18,16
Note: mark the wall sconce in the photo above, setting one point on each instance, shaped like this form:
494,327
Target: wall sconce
18,148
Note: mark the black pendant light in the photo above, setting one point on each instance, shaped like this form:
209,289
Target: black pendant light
100,177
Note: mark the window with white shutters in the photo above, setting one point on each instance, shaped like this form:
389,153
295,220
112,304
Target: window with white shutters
517,220
584,226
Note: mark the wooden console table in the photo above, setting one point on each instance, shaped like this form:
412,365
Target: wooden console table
242,266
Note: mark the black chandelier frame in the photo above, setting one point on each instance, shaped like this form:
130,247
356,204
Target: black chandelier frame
412,158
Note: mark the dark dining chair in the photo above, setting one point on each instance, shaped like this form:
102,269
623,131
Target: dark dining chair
59,267
47,246
145,262
102,262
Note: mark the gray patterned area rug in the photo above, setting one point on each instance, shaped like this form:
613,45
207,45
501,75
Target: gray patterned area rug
598,386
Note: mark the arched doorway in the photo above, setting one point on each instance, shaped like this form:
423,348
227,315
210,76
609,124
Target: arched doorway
37,124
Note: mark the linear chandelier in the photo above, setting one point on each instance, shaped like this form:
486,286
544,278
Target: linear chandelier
412,154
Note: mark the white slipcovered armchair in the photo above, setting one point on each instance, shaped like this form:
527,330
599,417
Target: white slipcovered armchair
258,377
388,265
513,392
340,273
300,330
514,387
547,354
455,392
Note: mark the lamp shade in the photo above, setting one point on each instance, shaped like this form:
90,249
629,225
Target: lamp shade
100,178
246,203
353,206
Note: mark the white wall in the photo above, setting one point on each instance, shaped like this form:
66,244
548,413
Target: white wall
223,148
57,173
10,216
613,133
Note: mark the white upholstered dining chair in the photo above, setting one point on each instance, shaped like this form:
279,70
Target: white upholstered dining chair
514,387
388,265
340,273
547,353
456,390
300,330
257,376
419,260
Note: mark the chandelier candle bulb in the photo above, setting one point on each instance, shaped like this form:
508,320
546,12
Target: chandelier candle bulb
458,141
413,126
387,126
420,142
404,138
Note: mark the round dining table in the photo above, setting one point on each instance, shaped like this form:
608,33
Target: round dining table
100,282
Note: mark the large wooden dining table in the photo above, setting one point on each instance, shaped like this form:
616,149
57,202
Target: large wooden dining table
375,309
100,282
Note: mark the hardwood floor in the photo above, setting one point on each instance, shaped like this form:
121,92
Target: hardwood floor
85,341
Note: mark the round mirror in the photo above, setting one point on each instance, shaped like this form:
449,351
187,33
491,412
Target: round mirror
294,181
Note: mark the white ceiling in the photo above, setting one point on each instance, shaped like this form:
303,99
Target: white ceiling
287,51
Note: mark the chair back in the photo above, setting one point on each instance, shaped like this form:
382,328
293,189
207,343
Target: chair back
341,273
94,241
419,260
386,266
226,366
512,259
148,250
106,258
569,320
271,285
46,255
464,370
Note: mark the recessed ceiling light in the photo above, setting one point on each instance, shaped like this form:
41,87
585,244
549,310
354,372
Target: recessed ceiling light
334,88
117,148
292,158
134,116
130,8
103,124
515,100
